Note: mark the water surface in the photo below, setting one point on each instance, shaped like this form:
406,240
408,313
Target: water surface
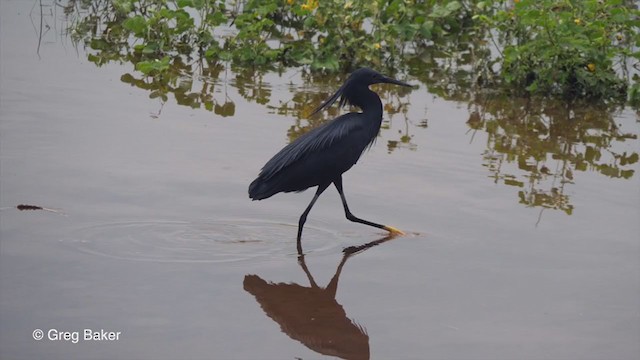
523,239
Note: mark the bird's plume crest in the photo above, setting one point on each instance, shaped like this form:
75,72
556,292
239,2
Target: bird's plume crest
331,100
344,93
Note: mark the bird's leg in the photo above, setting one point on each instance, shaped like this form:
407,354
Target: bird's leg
303,217
351,217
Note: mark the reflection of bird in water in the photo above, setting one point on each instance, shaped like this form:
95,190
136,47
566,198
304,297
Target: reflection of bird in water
311,315
321,156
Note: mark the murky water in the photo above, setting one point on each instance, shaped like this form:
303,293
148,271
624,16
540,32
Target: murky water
523,239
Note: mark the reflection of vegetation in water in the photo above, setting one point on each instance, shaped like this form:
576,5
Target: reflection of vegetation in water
570,49
396,106
164,42
172,43
550,142
457,49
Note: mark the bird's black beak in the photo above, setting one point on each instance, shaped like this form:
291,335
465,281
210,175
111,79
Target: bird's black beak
388,80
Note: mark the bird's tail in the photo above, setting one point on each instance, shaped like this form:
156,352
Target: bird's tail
260,189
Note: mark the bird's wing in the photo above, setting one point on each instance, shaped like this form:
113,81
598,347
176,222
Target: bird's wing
316,140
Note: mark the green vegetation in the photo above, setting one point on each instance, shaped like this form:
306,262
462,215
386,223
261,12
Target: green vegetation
574,49
543,79
562,48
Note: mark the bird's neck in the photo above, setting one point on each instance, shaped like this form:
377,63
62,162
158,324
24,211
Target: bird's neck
370,103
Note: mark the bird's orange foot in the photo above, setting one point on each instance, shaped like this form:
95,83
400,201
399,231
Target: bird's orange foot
394,231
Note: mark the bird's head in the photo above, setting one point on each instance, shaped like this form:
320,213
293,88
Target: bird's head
366,77
357,81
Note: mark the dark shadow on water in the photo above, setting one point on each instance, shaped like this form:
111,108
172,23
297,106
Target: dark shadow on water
311,314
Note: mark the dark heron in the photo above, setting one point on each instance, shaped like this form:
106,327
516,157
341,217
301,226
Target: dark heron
321,156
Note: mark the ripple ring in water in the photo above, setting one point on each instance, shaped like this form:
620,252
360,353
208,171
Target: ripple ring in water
204,241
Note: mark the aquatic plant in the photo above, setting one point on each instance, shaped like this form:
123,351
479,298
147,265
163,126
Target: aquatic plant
570,49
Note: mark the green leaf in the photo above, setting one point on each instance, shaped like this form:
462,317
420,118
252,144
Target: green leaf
150,48
212,52
153,66
330,64
225,55
93,58
99,44
185,3
453,6
216,19
127,78
123,6
136,24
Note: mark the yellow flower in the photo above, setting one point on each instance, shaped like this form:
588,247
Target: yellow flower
310,5
516,1
591,67
377,45
290,2
577,21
